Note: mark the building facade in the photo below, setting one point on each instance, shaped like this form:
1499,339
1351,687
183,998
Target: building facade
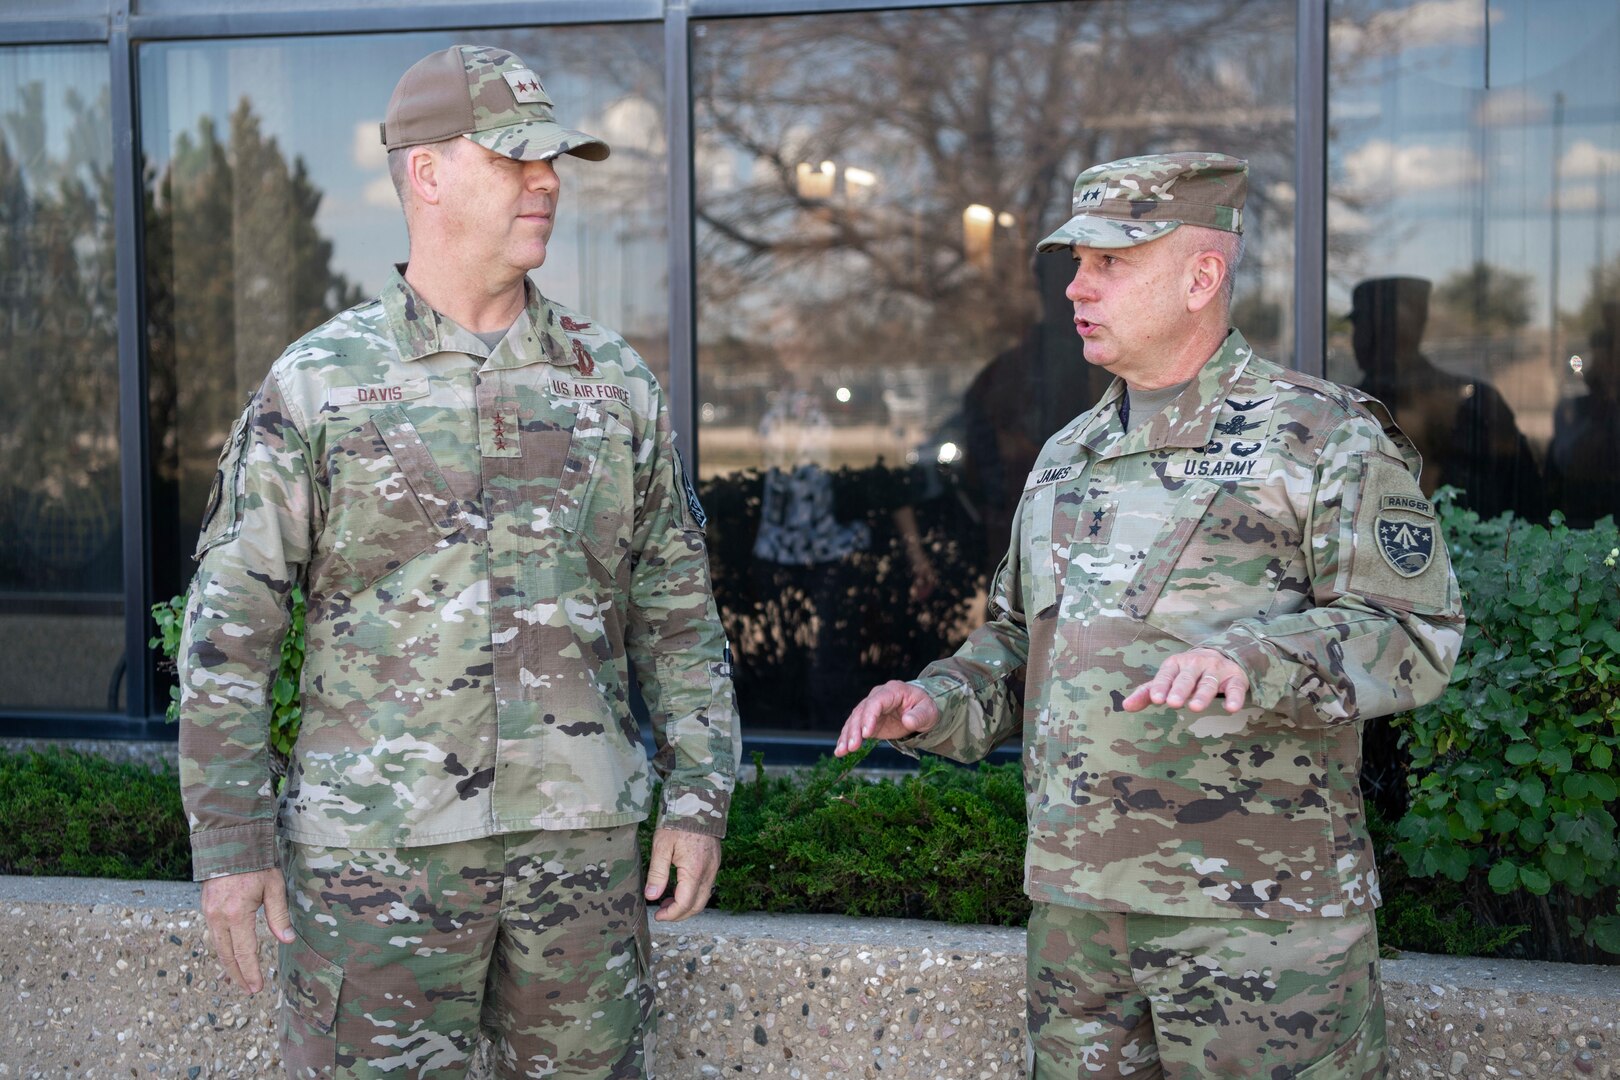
817,226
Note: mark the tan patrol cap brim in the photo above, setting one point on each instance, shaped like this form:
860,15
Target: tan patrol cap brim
1090,230
539,140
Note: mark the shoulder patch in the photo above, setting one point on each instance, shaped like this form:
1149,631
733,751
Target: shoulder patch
1408,547
694,508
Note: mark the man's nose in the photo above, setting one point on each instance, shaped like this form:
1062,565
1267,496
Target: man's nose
1080,287
542,176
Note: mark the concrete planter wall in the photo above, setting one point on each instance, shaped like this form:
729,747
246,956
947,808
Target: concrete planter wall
113,979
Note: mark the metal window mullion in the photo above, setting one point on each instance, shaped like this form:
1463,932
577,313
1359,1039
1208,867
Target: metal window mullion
235,21
1310,187
132,412
682,238
708,9
85,31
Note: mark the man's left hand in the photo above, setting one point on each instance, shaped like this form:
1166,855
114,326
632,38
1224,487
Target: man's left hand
1191,680
695,858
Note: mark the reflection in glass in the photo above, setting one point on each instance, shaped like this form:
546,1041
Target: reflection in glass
269,209
61,577
1473,160
880,357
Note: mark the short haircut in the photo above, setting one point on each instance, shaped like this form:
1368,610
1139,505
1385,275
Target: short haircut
398,157
1197,238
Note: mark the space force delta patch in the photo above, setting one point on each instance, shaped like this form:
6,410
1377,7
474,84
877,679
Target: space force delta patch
1408,546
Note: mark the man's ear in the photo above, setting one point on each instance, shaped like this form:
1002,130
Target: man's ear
422,171
1207,271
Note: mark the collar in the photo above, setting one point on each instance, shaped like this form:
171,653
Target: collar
420,331
1186,423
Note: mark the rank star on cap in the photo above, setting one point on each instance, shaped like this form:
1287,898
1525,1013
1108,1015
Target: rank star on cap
525,86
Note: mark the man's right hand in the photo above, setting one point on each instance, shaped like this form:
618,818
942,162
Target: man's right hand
892,711
230,906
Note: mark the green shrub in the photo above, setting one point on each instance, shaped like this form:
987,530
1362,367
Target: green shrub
943,843
1513,789
170,618
1427,915
79,815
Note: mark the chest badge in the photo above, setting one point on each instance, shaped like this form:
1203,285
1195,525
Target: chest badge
584,362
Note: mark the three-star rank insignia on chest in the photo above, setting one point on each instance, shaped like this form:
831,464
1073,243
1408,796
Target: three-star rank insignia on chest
1407,545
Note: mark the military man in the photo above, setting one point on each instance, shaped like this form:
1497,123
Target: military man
1216,527
478,491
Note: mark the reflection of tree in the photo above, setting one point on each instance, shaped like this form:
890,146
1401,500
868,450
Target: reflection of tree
924,317
994,106
1482,300
1603,288
58,364
236,269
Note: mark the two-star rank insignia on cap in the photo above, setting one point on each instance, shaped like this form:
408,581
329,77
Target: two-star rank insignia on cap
525,86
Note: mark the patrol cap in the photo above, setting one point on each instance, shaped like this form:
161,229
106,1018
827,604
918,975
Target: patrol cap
1134,200
488,95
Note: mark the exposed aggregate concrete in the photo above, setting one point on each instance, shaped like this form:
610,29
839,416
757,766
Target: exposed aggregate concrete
110,979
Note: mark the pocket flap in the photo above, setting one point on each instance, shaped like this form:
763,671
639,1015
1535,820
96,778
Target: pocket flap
310,983
1162,557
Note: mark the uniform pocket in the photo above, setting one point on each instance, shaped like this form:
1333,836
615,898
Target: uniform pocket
1045,568
595,491
389,502
222,517
1360,1057
1218,559
310,987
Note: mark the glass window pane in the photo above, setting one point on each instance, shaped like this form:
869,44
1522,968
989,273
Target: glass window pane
1474,159
880,354
61,574
269,209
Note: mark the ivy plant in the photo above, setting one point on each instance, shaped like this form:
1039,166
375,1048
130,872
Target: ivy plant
1513,787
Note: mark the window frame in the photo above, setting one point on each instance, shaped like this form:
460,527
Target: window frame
122,27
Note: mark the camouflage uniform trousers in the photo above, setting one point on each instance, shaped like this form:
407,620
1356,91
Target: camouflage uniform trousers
1147,996
402,955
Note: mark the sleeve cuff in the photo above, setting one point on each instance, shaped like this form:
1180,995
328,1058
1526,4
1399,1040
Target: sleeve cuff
699,810
238,849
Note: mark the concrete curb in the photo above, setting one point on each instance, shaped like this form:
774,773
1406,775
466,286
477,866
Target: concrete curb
106,978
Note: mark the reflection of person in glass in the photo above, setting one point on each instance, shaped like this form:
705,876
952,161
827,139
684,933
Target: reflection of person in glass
1016,402
807,559
1582,480
1216,526
478,492
1463,428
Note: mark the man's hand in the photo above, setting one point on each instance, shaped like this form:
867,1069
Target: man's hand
230,906
696,859
1191,680
892,711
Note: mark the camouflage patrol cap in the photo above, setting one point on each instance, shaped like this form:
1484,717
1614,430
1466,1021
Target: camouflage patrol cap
488,95
1134,200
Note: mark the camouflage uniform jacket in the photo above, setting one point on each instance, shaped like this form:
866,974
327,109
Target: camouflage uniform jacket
1263,513
489,542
